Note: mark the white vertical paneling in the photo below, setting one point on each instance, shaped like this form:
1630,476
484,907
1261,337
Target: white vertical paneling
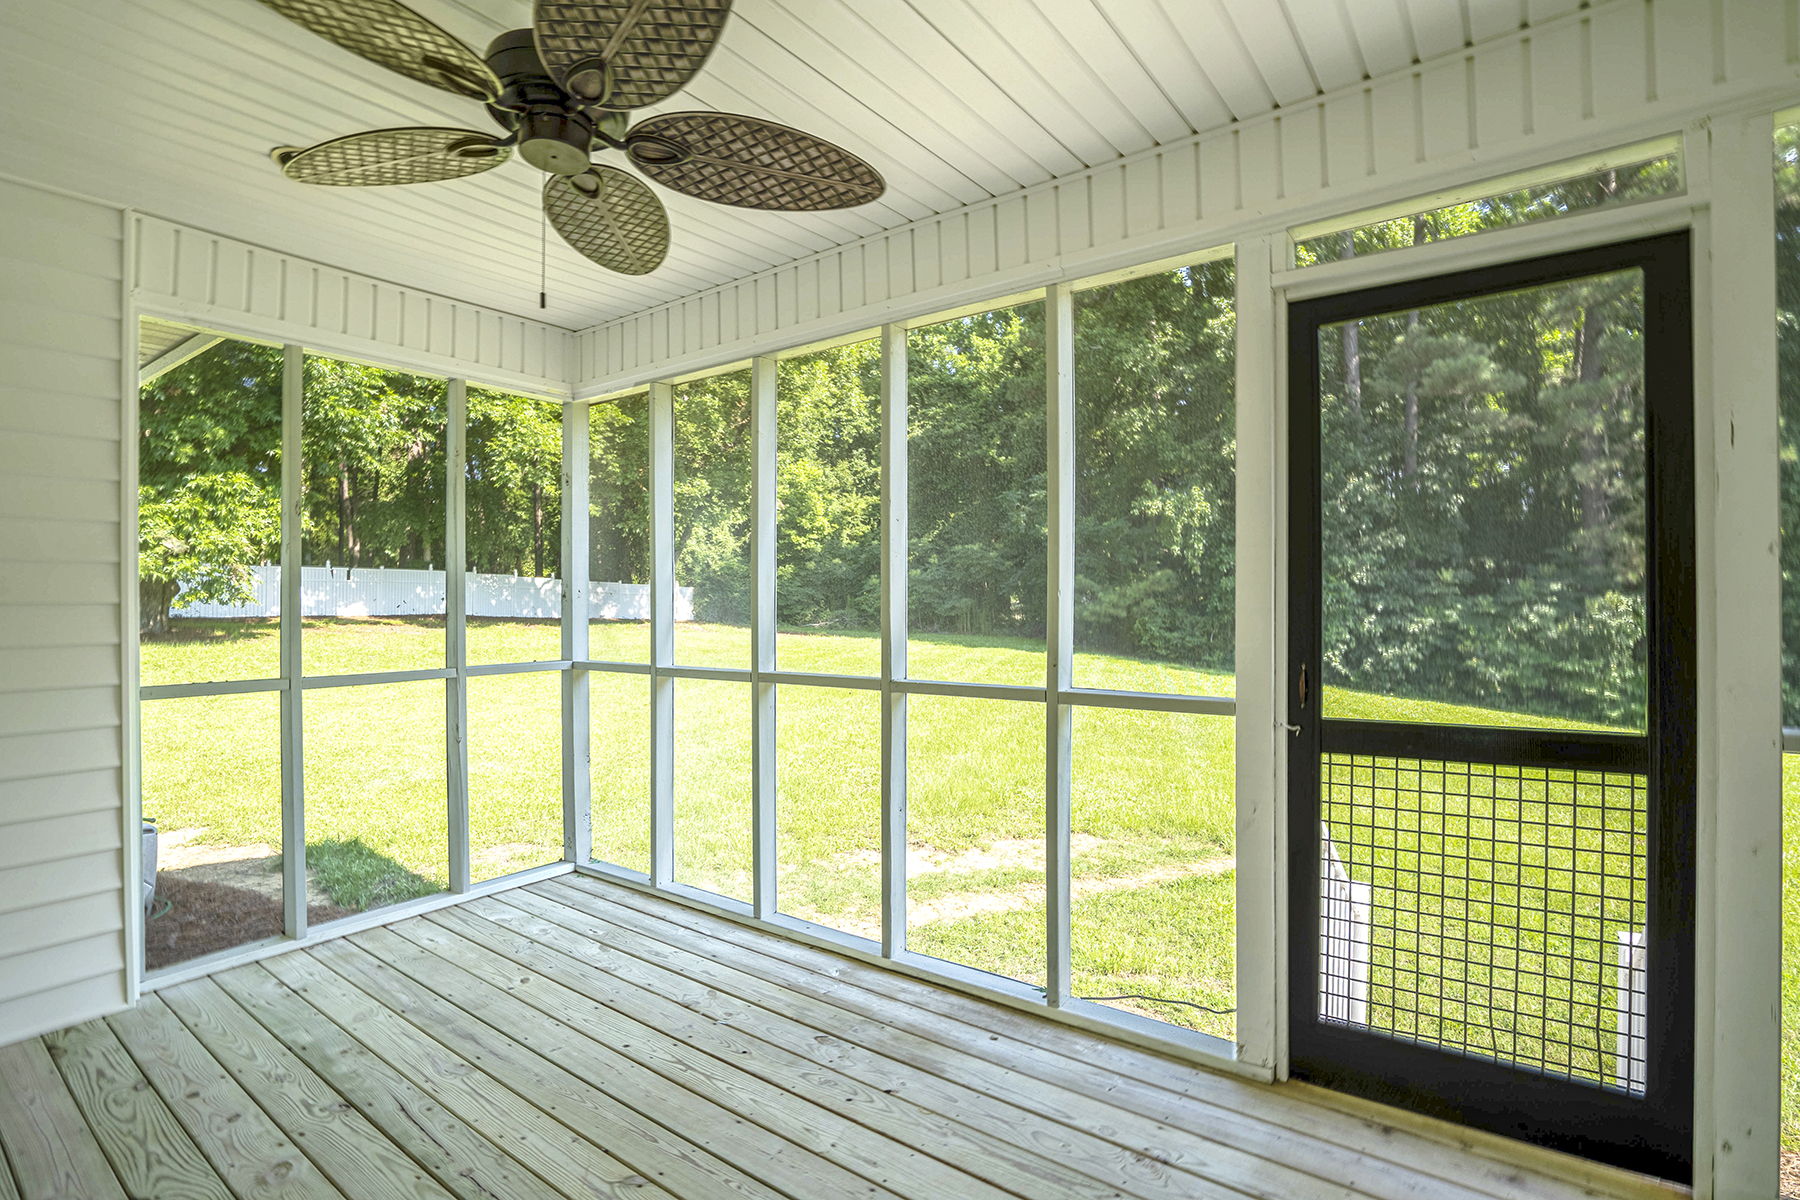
662,632
900,263
893,638
1559,78
1261,929
456,643
764,381
294,890
1739,927
1105,203
984,242
1143,198
1180,186
1444,109
1041,233
1684,50
218,283
1059,608
577,557
73,254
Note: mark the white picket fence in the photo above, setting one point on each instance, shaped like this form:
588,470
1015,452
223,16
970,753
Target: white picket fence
1344,943
392,592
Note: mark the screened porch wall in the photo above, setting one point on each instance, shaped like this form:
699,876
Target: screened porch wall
220,283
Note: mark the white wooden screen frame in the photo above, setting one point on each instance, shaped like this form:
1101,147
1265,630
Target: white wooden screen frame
291,683
1059,697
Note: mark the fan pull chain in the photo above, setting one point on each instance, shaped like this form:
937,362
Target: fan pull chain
543,259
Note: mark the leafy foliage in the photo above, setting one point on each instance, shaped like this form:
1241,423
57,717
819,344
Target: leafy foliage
209,479
373,450
1787,315
1483,483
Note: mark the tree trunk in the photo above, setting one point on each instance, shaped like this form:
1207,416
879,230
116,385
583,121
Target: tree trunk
1589,370
155,598
349,549
1410,460
1410,464
1352,334
537,530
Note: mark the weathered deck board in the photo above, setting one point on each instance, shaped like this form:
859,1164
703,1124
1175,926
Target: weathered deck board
251,1154
809,1117
1288,1119
339,1140
864,1125
9,1190
1098,1137
51,1149
898,1065
450,1148
561,1154
708,1150
149,1150
578,1039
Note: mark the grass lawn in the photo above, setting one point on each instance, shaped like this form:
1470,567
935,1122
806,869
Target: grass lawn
1152,798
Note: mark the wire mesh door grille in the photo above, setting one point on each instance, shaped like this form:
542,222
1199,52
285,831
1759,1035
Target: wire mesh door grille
1488,910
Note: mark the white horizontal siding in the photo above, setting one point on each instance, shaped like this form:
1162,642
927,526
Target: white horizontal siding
62,795
234,287
1603,75
57,1006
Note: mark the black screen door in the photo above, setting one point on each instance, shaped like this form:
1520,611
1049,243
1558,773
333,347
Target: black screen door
1492,679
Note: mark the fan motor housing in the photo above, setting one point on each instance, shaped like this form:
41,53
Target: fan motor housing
555,134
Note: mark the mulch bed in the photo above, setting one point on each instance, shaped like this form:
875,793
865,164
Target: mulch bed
1790,1175
190,918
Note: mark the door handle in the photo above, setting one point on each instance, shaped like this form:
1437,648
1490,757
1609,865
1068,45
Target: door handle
1302,687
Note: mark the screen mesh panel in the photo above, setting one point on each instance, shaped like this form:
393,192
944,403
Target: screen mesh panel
1487,910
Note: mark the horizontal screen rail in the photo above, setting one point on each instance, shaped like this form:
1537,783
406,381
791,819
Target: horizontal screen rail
229,687
1565,749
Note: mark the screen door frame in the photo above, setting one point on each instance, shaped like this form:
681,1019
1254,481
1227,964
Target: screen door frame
1651,1132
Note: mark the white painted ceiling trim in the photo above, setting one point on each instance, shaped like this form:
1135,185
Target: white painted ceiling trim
1579,83
232,287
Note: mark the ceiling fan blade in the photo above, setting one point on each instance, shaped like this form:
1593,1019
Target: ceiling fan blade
750,163
610,217
389,33
626,53
388,156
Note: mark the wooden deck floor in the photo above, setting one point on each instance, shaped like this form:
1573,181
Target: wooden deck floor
576,1039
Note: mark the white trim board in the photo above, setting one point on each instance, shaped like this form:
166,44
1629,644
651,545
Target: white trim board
227,286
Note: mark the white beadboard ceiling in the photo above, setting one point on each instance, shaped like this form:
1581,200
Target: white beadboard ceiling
954,101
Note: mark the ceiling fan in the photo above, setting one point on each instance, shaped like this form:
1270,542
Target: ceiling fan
560,91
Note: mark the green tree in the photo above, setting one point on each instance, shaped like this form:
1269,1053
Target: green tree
372,441
712,495
619,489
513,494
828,488
976,510
209,479
1155,488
